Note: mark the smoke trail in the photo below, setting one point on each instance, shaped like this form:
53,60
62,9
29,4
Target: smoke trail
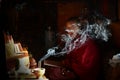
96,30
69,46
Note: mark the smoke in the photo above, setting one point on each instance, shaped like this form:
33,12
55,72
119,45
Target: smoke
94,27
68,47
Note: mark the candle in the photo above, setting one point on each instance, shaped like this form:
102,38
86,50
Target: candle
39,64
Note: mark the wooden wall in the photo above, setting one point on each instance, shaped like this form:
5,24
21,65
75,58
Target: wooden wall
118,9
115,29
29,24
67,10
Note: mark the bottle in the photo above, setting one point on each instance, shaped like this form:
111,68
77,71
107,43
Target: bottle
33,63
49,38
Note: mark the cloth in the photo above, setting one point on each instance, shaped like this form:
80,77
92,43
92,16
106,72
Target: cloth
59,73
84,61
81,64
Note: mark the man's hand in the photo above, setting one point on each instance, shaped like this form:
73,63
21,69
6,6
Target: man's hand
51,51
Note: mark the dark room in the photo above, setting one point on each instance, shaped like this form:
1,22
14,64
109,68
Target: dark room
60,39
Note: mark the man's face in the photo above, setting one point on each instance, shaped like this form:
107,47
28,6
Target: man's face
72,29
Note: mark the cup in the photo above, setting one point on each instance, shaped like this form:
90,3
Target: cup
39,72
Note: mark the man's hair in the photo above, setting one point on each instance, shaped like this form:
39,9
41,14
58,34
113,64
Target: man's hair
93,25
74,19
